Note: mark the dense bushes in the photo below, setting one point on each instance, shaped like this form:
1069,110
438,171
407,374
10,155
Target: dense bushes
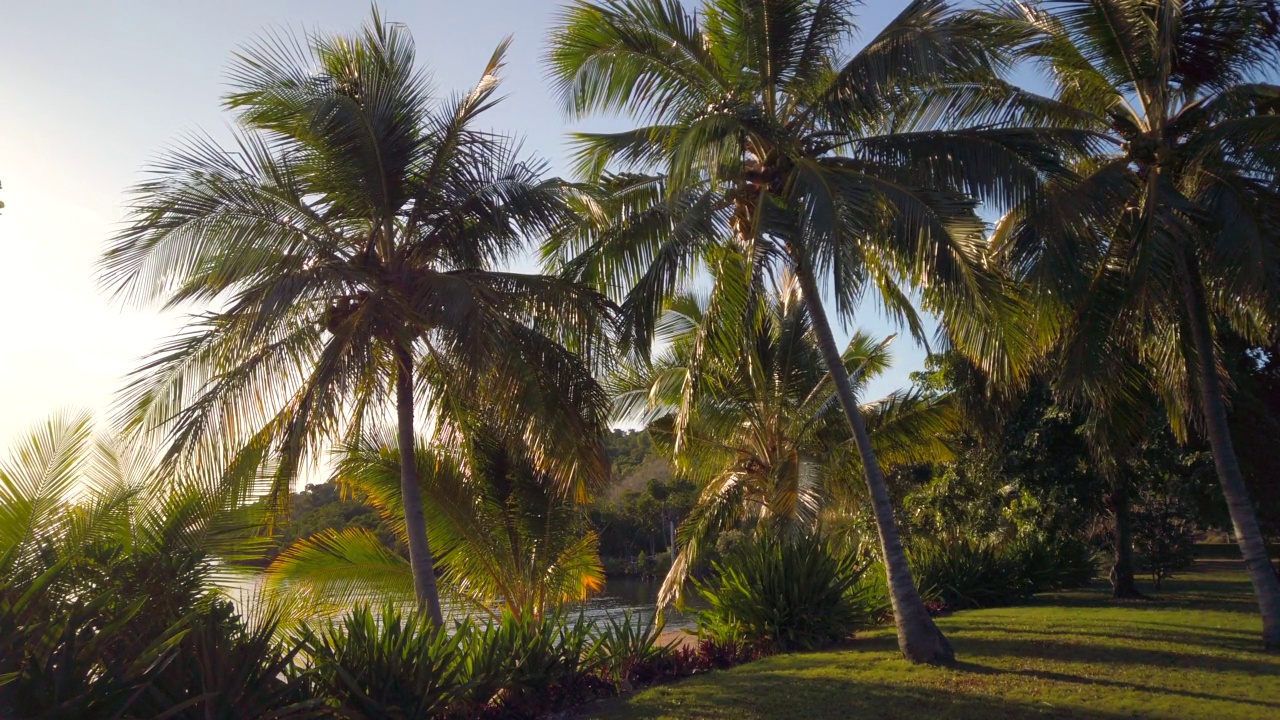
393,665
965,573
83,658
787,593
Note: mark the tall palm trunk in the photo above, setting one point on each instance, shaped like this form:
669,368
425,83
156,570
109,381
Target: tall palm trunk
1123,584
1243,517
919,638
415,522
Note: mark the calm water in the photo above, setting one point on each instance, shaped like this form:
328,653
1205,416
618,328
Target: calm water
620,596
636,596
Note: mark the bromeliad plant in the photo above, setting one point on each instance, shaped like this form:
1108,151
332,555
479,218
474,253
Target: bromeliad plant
763,436
785,593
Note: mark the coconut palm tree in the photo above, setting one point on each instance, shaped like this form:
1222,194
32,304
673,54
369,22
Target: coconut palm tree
761,143
765,439
350,246
1174,229
505,539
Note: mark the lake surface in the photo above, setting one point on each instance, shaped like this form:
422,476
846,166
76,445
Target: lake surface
620,596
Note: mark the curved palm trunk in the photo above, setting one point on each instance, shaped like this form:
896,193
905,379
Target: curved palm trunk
1243,517
415,522
919,638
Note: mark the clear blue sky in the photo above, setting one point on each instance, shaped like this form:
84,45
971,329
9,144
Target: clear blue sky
92,90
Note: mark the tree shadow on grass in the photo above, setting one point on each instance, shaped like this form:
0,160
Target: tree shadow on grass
1118,656
1214,640
751,694
1051,676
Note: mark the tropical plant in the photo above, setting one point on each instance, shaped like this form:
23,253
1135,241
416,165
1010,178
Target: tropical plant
108,568
226,669
388,664
1173,227
791,593
966,573
507,542
630,650
764,439
761,143
349,242
1051,562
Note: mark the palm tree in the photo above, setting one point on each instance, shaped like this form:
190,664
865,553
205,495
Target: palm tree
505,540
762,144
765,440
349,244
1174,228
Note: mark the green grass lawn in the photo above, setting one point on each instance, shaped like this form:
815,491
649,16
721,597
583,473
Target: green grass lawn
1191,652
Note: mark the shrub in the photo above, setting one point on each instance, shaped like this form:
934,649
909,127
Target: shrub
790,594
523,667
1047,563
966,573
1163,537
629,654
388,665
223,669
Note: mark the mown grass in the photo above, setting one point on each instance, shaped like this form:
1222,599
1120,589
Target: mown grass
1190,652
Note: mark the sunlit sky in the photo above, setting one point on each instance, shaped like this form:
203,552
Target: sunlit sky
93,90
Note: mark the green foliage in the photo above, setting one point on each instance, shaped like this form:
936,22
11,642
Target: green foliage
1164,536
523,664
966,573
223,669
792,593
629,649
760,433
387,665
629,451
505,539
327,506
105,598
641,521
1051,562
959,573
391,664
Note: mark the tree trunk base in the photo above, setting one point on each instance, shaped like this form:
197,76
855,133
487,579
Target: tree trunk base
1123,586
1131,592
926,645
